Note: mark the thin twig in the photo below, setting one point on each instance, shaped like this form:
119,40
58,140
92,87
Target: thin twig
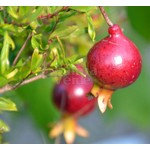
105,16
9,87
40,76
22,48
18,84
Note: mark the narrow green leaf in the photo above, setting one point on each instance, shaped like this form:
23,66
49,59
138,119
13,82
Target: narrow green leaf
91,29
36,60
52,9
51,26
64,32
36,13
11,42
4,58
3,127
54,55
24,69
7,104
24,11
62,54
82,8
1,19
65,15
11,28
12,10
35,44
76,59
12,74
5,54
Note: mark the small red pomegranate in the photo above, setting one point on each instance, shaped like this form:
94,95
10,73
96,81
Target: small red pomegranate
114,63
70,96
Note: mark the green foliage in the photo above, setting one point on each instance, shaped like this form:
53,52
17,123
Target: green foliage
3,127
7,104
35,41
36,60
5,52
91,29
63,33
51,41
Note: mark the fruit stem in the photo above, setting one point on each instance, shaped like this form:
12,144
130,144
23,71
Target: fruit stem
105,16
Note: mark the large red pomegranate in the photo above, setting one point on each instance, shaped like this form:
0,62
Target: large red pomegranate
114,62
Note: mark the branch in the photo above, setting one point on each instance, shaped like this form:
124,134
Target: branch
9,87
22,48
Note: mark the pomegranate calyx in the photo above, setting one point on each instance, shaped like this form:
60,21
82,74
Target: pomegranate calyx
104,97
69,127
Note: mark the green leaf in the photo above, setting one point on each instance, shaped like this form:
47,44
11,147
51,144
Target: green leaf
52,9
34,25
36,41
4,58
75,59
24,13
36,13
5,54
51,26
64,32
11,42
62,52
79,60
1,19
65,15
12,74
142,24
12,10
7,104
3,81
3,127
82,8
54,55
91,29
11,28
36,60
23,70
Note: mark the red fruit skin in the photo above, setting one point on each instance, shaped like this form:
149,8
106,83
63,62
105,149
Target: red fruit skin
70,95
115,61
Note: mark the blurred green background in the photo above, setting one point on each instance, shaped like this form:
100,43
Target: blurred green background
127,122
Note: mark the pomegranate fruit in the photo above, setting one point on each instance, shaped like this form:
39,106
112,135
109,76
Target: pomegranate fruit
70,97
114,62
